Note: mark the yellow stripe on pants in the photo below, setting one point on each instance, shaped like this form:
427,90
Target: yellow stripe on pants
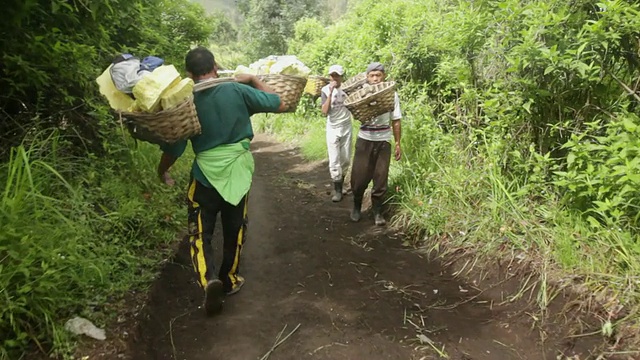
236,260
195,239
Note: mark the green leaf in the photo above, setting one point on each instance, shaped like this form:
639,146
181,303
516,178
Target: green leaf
593,222
581,48
629,125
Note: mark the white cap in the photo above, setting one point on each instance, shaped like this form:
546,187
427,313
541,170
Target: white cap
336,69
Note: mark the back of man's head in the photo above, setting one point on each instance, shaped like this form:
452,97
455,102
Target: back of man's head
199,61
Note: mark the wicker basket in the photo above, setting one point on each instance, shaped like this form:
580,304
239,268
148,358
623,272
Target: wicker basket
354,83
206,84
315,84
289,88
166,126
169,126
372,101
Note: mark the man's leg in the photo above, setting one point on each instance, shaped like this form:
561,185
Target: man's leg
361,175
234,229
204,204
380,179
333,148
345,153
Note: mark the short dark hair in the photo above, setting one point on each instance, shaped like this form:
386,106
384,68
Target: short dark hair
199,61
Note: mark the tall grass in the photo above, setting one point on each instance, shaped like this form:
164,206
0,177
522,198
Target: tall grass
75,235
456,198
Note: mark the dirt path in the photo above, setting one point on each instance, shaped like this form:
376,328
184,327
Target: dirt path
356,292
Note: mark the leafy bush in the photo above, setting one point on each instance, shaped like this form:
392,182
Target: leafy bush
269,24
602,171
72,244
52,51
537,71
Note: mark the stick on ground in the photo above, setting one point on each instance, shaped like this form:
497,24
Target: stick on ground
278,342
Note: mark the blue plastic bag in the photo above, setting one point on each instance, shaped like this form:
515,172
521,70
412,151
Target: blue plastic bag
150,63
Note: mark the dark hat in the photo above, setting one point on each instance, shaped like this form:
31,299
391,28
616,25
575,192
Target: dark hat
375,66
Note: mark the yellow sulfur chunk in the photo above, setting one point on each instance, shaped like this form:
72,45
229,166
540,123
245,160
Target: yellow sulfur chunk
149,90
134,107
177,94
117,100
310,87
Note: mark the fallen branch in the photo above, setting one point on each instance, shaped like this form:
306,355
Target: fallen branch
173,346
278,342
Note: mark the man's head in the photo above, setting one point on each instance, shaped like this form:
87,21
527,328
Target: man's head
336,72
200,63
375,73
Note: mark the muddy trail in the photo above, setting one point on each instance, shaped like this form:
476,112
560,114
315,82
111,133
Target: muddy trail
350,291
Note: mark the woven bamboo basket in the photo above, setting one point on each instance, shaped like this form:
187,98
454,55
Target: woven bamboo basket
166,126
315,84
354,83
172,125
289,88
371,101
206,84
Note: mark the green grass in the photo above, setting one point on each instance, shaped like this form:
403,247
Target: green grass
455,198
76,234
306,131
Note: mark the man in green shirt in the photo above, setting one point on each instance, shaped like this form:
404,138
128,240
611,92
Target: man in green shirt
221,172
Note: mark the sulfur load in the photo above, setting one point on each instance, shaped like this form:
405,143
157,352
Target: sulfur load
117,99
177,94
283,65
150,89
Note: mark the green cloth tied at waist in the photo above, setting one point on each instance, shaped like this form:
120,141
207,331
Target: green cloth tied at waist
229,168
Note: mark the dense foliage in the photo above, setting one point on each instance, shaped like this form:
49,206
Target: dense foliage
83,218
53,50
550,85
270,23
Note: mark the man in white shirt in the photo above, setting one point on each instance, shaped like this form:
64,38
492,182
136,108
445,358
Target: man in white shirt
338,130
373,153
